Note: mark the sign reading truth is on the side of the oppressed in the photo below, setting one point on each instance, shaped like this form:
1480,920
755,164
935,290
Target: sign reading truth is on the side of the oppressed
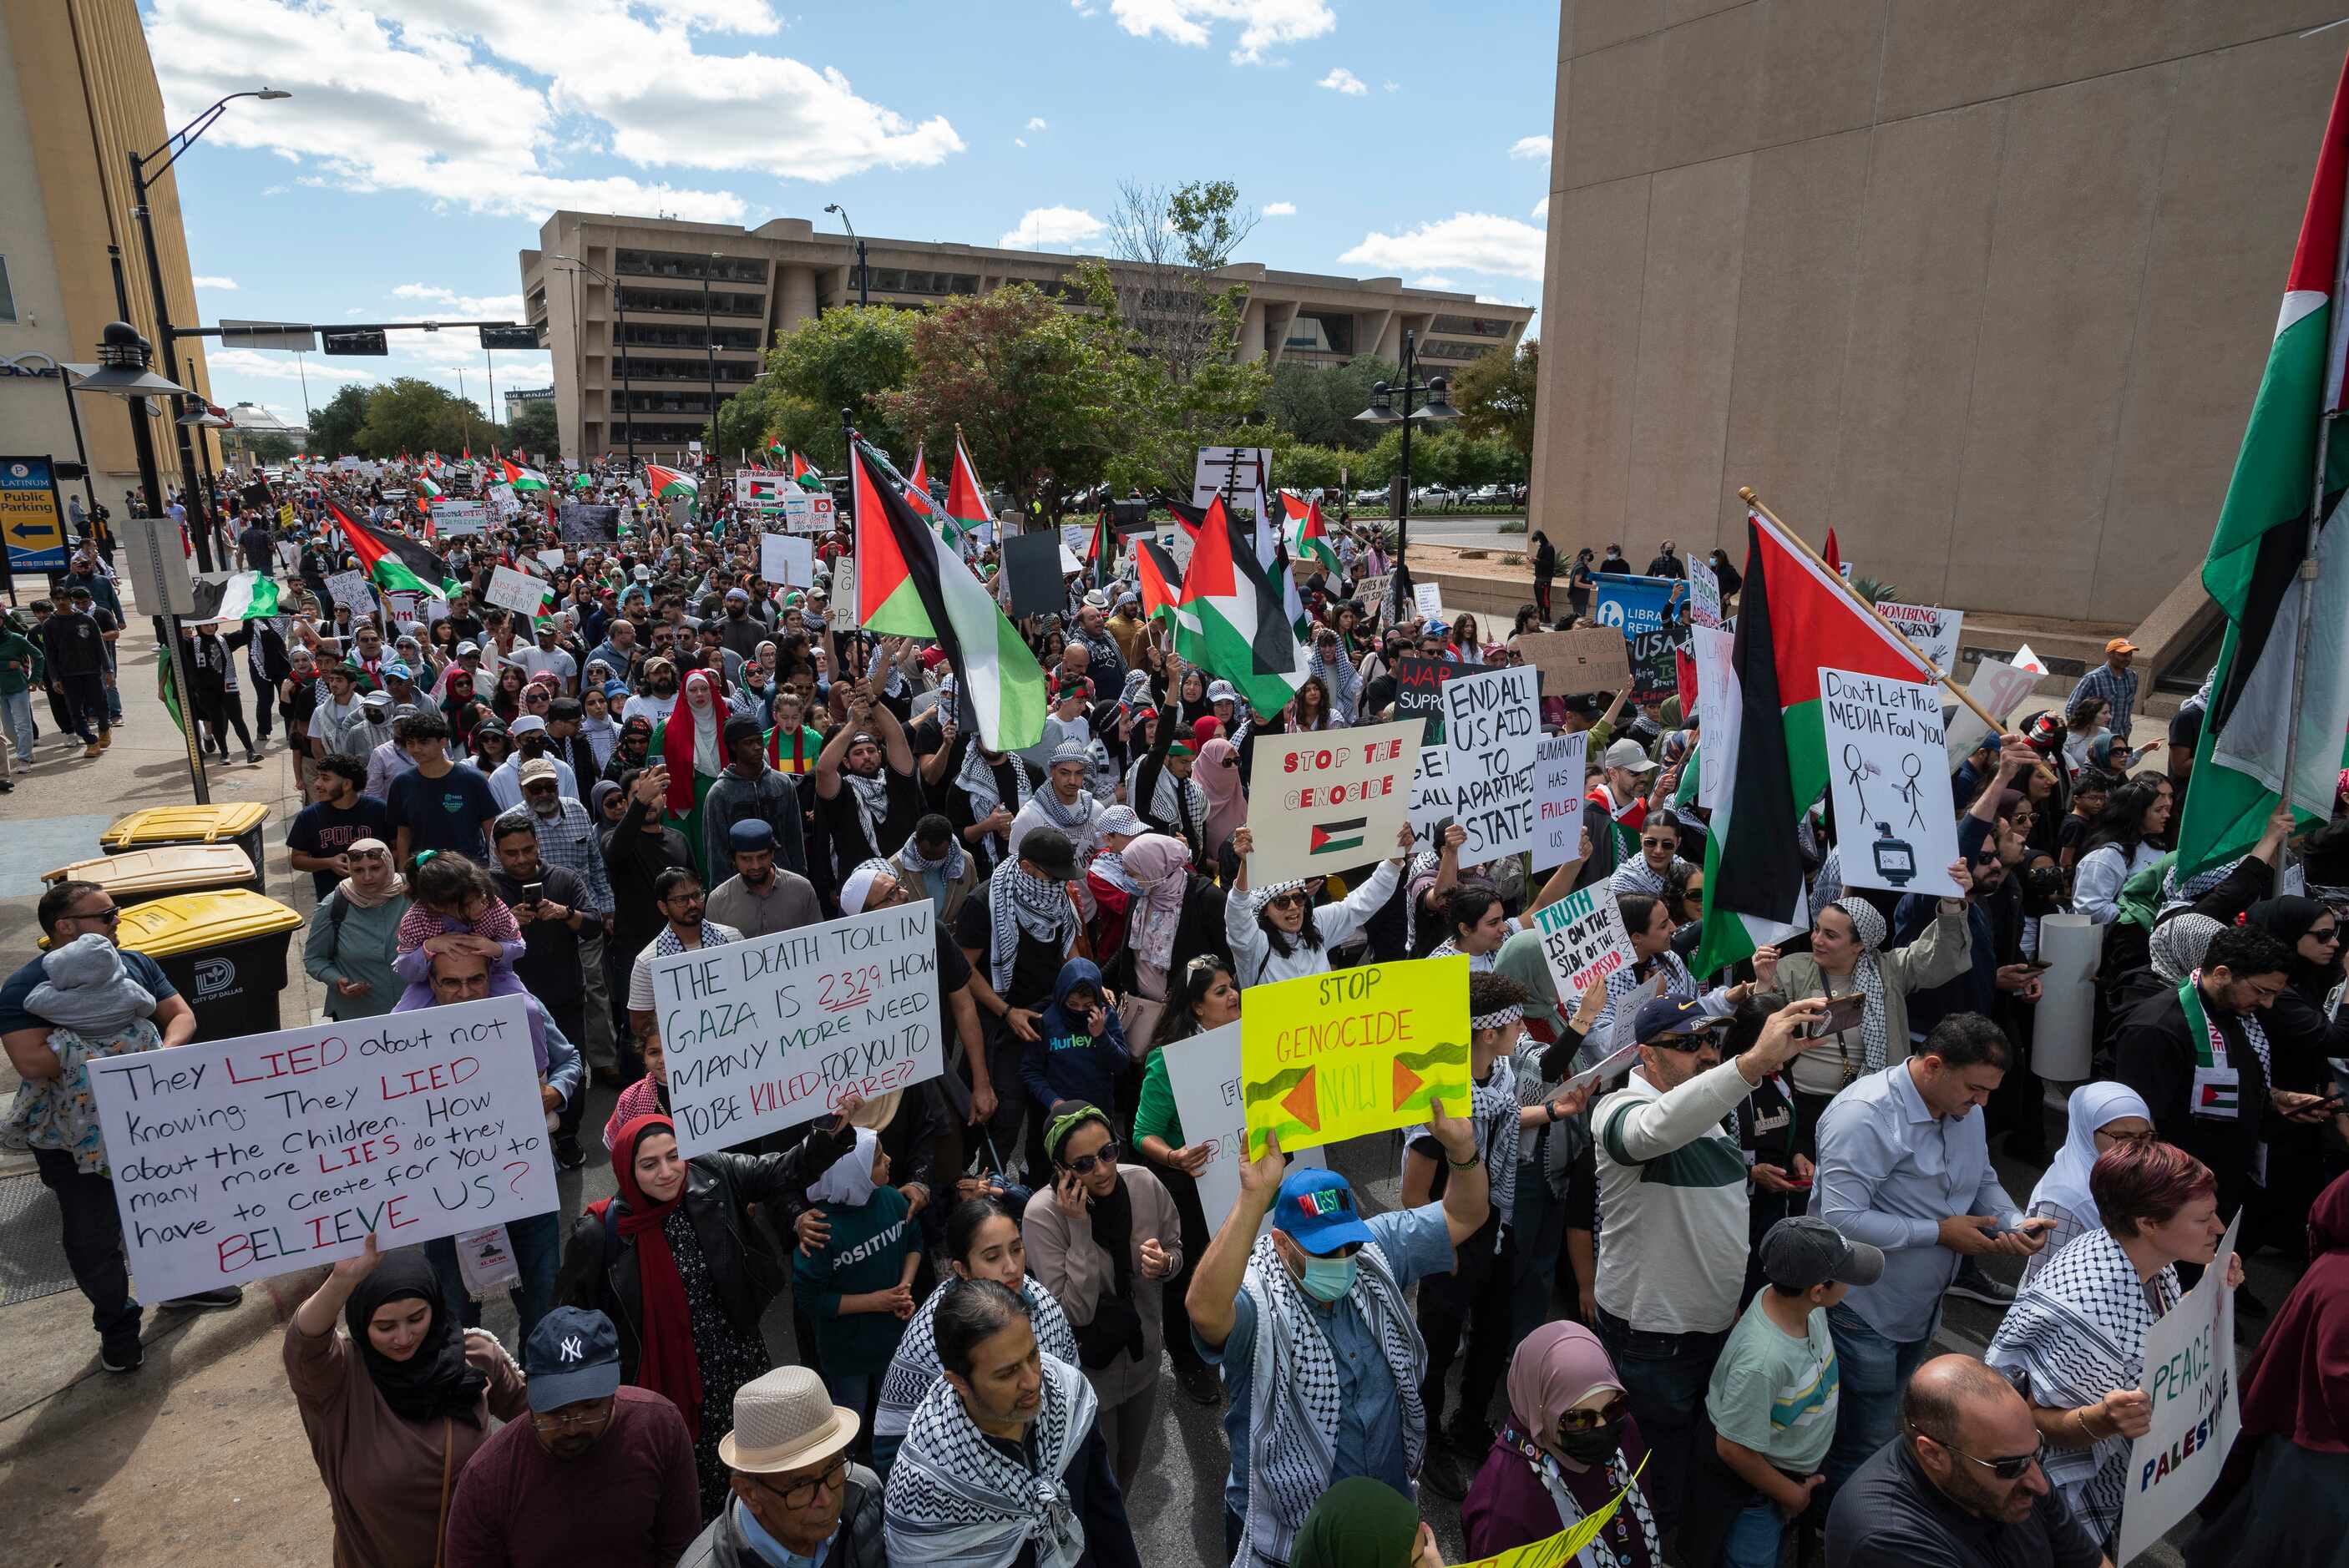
1325,1057
1492,726
1328,799
235,1160
770,1033
1583,940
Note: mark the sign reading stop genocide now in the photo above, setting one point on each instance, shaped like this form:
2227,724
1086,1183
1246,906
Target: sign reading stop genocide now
1329,800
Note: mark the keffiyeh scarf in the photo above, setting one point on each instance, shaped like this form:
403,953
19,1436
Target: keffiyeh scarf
1569,1508
1417,880
948,866
1178,805
871,798
667,945
978,781
1869,977
1076,820
957,1501
915,1368
1017,902
1295,1390
2179,944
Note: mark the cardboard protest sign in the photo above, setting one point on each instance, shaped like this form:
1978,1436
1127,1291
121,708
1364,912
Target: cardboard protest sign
787,558
1704,595
1031,564
1559,762
1325,1057
1888,776
1932,628
1204,1073
351,589
1717,717
1431,796
1491,724
516,591
1419,684
768,1033
584,522
1428,600
1998,686
2189,1373
1588,659
239,1159
1583,939
1328,799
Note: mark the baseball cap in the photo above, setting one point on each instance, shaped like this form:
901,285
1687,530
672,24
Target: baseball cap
1122,820
397,671
2120,645
469,647
1660,1018
1804,1250
536,768
573,1355
1316,1207
376,702
1627,754
1222,691
1048,850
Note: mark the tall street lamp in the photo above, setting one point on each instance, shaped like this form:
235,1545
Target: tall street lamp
619,350
709,352
1436,397
863,295
141,178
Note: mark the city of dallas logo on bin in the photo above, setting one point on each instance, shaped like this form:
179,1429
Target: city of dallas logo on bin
214,978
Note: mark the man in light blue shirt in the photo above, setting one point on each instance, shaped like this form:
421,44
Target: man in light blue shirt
799,1501
1904,1165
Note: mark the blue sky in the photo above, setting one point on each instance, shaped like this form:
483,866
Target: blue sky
426,141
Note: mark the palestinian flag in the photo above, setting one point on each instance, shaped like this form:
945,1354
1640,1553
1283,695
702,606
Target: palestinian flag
666,485
2256,554
1162,581
1233,622
1103,549
911,584
394,563
803,474
966,498
238,596
1793,615
919,479
523,479
1302,531
583,481
1191,517
779,452
427,493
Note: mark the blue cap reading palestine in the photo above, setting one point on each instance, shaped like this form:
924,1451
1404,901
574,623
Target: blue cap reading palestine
1316,1207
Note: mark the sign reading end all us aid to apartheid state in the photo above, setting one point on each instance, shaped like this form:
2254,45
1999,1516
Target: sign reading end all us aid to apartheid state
1329,800
1325,1057
236,1160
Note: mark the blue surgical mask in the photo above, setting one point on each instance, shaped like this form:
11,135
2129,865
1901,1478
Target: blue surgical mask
1329,1279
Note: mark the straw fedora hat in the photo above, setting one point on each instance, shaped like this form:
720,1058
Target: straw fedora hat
783,1420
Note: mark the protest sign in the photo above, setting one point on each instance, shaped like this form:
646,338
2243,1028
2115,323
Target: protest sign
1888,776
1234,470
2024,659
1559,762
2189,1374
1583,940
586,523
1997,687
1427,599
1933,629
761,488
1588,659
554,558
787,558
845,610
1643,609
1031,563
1325,1057
1561,1550
1372,594
239,1159
350,589
459,518
768,1033
1615,1065
1491,723
1204,1074
516,591
1419,684
1717,715
1328,799
1431,796
1176,541
1704,595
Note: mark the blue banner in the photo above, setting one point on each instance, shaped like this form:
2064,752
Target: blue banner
1646,610
30,519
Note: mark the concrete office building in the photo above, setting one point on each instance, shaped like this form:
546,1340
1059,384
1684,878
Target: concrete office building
77,93
1988,289
771,279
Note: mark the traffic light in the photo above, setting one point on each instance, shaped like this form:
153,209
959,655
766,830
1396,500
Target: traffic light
509,337
366,340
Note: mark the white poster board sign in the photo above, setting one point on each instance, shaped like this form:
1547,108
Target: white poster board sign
1889,775
2189,1373
768,1033
1236,469
804,512
1326,801
1583,940
1717,702
516,591
552,559
1931,627
240,1159
1559,762
1431,796
845,613
457,518
1998,686
1428,599
2024,659
1492,725
351,589
788,559
1204,1072
1704,595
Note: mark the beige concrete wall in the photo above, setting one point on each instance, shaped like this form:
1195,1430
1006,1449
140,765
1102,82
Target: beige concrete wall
1986,287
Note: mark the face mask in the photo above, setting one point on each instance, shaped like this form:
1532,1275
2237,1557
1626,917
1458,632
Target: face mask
1591,1445
1329,1279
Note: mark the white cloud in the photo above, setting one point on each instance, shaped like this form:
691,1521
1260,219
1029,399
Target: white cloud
1044,226
1473,241
1531,146
1341,80
1392,86
1264,23
1432,282
265,367
226,284
1541,210
1280,209
1018,141
273,191
1036,123
506,305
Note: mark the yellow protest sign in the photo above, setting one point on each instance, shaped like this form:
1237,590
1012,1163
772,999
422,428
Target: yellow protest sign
1558,1550
286,515
1331,1057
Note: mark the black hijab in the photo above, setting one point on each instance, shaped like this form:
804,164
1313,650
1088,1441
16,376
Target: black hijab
2288,919
437,1380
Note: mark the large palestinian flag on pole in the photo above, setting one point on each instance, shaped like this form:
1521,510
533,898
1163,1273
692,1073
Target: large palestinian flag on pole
1793,617
1233,621
911,584
523,479
2256,554
804,475
666,485
238,596
1302,531
393,562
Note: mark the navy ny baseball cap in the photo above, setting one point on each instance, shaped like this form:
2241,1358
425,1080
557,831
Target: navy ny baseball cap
573,1355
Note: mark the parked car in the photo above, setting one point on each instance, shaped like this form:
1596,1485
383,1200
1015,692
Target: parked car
1488,495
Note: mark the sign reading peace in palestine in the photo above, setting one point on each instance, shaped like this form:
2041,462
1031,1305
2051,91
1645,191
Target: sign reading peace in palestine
1331,1057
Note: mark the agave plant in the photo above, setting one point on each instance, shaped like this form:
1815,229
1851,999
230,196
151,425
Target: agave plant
1874,591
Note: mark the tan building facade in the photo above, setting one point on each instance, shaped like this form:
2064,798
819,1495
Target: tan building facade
768,280
77,93
1987,288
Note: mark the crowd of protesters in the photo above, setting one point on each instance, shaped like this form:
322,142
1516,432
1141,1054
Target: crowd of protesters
1703,1295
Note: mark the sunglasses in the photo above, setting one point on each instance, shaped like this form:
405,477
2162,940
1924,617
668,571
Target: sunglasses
1607,1415
2010,1467
1105,1157
1662,844
1284,900
109,914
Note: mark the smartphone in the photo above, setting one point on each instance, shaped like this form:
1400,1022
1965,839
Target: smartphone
1800,1183
2037,965
1843,1013
533,893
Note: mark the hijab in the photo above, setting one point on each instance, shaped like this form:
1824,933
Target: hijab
437,1380
1556,1366
2092,1106
2298,1382
394,885
666,1363
1868,978
2179,943
1219,780
694,745
1160,866
1359,1524
848,1181
2288,919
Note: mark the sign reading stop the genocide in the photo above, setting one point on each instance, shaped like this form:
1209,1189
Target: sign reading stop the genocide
1328,799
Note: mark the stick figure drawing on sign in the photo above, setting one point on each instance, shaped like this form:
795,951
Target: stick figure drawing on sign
1911,793
1857,765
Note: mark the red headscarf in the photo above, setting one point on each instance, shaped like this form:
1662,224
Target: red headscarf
677,738
2297,1384
666,1363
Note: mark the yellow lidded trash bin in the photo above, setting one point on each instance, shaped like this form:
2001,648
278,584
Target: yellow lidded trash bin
135,876
224,950
237,822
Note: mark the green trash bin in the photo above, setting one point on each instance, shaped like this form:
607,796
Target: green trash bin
225,952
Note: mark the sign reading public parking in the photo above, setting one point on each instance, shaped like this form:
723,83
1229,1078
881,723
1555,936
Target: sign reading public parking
30,518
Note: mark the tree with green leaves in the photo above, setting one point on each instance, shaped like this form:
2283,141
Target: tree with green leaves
334,428
535,429
847,357
1318,406
271,447
1172,239
1495,395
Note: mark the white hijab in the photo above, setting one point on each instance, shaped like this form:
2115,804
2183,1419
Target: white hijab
2092,1106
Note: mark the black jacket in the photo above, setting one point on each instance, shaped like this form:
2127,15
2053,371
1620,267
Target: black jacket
857,1543
599,1268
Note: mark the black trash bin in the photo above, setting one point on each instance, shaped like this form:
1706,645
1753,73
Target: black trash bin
225,952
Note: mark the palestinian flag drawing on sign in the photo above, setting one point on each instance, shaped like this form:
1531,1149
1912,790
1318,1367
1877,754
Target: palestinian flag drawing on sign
394,563
1329,838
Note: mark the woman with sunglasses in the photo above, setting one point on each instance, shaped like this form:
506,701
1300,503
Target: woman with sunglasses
2101,1117
1278,933
2074,1341
1101,1241
1207,998
1569,1447
353,936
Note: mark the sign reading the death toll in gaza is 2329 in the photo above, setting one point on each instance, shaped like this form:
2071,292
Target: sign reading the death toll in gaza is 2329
1325,1057
768,1033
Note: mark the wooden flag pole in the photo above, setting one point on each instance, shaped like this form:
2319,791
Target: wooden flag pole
1745,493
